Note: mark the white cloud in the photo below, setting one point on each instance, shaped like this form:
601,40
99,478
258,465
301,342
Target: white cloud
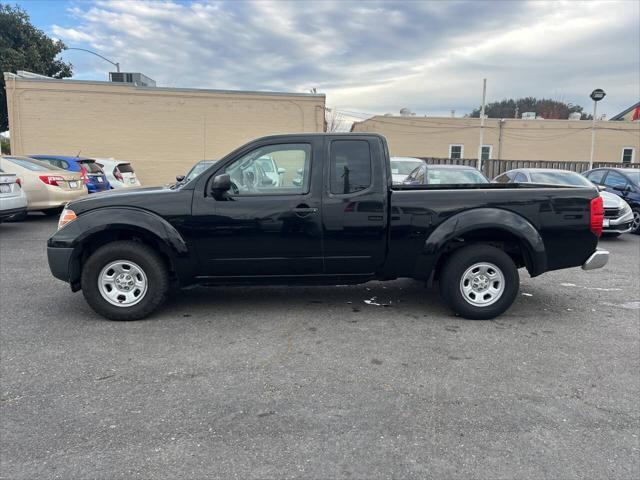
373,56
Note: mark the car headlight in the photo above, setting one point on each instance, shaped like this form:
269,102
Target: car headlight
624,208
67,216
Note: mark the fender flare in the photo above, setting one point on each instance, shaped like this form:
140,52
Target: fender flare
77,233
487,218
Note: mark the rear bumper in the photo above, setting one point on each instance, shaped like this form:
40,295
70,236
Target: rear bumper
59,262
10,212
598,259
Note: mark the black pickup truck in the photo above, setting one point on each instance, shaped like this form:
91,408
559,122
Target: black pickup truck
320,209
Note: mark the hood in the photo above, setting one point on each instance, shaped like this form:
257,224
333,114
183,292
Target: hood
143,197
611,200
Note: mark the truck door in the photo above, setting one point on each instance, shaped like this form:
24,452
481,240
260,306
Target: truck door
266,225
354,205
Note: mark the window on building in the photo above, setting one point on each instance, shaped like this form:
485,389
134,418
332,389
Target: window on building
350,165
628,154
487,151
456,151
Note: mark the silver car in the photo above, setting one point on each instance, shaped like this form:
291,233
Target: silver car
618,216
13,200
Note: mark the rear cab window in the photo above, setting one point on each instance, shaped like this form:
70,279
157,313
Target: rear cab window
350,166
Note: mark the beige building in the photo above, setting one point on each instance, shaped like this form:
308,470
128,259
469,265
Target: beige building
508,139
161,131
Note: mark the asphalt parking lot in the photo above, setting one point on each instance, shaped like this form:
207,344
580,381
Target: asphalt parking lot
316,383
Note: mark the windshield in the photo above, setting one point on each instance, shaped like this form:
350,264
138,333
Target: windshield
404,167
560,178
266,164
92,167
33,165
437,176
197,169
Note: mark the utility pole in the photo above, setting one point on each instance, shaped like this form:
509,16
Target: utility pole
597,95
115,64
484,97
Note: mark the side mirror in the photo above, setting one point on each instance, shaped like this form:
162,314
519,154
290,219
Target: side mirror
180,178
219,185
281,171
628,189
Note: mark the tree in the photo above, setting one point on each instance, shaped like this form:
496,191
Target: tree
25,47
333,121
544,107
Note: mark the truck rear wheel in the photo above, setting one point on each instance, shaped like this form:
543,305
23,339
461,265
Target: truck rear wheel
479,282
124,280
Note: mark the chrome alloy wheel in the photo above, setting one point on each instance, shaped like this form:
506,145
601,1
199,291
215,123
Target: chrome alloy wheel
482,284
635,225
122,283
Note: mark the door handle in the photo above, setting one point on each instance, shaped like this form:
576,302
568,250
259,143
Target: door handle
304,210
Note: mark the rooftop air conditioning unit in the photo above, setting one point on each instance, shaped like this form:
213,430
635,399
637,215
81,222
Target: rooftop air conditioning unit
134,78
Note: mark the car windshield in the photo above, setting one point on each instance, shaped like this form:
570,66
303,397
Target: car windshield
266,164
404,167
560,178
91,166
634,176
197,169
33,165
436,176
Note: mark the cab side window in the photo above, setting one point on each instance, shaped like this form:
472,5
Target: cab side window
282,169
614,179
349,166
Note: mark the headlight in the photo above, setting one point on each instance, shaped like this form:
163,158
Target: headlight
625,207
67,216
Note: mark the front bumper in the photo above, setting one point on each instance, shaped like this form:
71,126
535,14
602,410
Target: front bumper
598,259
60,262
621,224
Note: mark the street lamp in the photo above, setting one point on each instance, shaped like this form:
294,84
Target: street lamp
117,64
597,95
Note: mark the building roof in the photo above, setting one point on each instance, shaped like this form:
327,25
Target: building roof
621,115
42,78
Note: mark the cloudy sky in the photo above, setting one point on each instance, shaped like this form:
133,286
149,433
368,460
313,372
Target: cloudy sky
369,57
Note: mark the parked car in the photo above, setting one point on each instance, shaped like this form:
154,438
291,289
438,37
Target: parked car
444,175
624,182
401,167
618,217
48,188
271,169
13,201
91,173
119,173
196,170
126,250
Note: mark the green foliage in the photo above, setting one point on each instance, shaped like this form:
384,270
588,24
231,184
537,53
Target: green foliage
5,145
544,107
24,47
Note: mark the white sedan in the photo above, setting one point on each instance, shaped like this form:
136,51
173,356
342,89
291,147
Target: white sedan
401,167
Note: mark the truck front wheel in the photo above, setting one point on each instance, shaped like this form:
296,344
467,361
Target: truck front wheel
479,282
124,280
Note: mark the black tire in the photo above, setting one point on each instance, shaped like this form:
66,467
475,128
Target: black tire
50,212
149,261
454,270
636,221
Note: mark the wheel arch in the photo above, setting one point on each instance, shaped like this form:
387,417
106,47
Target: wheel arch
502,228
94,229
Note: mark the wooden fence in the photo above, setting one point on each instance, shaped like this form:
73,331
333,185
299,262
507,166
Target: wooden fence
492,168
